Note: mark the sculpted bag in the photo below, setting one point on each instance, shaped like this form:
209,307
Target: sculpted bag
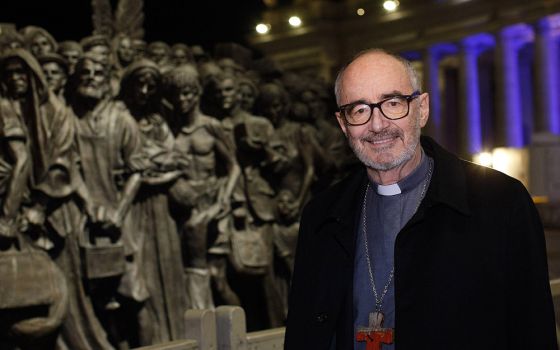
101,256
27,278
250,253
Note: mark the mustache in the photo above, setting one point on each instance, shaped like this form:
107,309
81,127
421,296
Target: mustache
382,135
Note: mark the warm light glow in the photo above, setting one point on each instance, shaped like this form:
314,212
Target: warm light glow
390,5
295,21
484,159
262,28
361,12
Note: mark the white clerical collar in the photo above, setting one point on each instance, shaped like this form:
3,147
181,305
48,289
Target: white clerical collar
389,190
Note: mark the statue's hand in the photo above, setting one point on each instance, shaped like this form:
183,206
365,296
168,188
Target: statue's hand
8,228
35,216
161,178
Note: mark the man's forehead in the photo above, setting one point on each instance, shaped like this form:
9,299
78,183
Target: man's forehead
376,73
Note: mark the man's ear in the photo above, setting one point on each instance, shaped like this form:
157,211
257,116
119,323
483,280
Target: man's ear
424,104
341,122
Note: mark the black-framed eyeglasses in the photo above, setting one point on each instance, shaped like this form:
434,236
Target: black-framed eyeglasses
393,108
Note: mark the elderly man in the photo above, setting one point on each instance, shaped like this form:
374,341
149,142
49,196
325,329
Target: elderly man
418,243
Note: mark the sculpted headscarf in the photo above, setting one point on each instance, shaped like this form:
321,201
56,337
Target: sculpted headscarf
48,129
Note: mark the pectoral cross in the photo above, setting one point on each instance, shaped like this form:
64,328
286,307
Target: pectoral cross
375,334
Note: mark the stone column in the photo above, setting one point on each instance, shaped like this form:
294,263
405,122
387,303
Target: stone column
431,58
547,62
509,123
470,124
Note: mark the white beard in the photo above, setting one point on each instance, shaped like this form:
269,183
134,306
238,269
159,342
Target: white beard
359,149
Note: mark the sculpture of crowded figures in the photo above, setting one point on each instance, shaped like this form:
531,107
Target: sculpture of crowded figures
154,179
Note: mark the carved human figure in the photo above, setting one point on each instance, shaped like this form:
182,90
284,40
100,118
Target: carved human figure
109,143
139,46
249,92
337,156
38,40
55,68
159,52
251,135
285,233
98,45
203,194
37,133
294,142
161,319
72,52
181,54
123,50
10,39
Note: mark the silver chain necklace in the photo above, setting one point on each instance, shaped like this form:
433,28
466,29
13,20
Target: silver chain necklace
379,298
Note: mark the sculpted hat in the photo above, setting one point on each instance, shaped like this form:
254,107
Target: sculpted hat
54,57
94,40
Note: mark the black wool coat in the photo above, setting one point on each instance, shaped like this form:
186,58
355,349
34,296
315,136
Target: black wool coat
470,266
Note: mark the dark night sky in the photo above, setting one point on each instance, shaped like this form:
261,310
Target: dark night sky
190,21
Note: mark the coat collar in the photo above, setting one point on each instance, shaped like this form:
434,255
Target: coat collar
449,184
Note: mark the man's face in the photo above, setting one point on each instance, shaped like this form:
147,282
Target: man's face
185,98
227,94
125,50
144,88
40,45
56,77
16,78
93,80
382,144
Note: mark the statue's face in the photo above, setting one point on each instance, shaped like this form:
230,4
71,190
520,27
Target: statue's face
92,80
313,102
179,57
16,78
157,54
247,97
144,88
56,77
139,48
72,56
102,51
125,50
40,45
185,98
284,202
227,94
273,108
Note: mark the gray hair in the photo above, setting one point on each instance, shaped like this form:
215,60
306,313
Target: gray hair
410,71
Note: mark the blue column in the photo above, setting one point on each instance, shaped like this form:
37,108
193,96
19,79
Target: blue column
509,117
471,126
547,62
431,78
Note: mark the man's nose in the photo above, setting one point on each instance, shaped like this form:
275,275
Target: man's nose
377,121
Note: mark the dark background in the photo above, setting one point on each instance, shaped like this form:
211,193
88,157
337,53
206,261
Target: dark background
204,22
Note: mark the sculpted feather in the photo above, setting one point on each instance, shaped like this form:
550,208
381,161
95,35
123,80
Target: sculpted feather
129,18
102,17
